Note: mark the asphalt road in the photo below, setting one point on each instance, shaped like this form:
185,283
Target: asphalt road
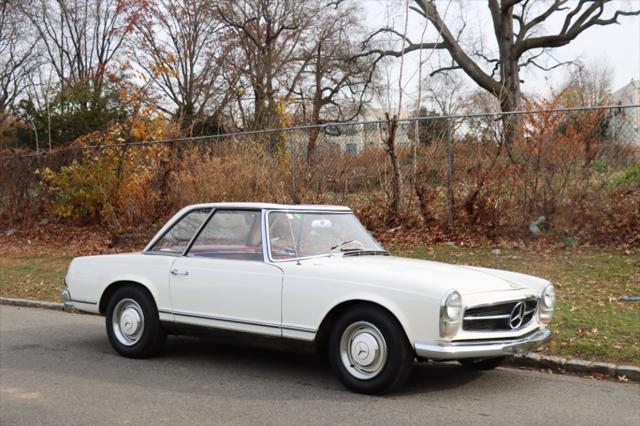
58,368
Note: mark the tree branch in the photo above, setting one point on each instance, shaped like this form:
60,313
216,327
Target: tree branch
570,30
444,69
455,50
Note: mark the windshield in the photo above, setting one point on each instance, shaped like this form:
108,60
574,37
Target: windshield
304,234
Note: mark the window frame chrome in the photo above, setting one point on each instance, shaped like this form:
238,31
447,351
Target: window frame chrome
208,219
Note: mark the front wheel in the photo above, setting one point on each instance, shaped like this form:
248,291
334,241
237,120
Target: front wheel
482,363
133,325
369,351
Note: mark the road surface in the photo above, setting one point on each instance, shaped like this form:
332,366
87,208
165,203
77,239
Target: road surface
58,368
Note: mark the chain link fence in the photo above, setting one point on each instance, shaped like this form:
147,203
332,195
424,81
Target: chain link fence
554,169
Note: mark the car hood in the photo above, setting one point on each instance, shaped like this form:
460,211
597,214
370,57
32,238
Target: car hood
425,273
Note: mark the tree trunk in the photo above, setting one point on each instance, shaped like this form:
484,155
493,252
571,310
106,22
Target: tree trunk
510,94
260,110
450,199
314,132
396,181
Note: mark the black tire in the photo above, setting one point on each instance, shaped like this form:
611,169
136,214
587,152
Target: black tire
399,360
482,363
153,336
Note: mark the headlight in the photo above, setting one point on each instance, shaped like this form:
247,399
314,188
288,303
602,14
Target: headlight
454,306
450,312
549,297
547,303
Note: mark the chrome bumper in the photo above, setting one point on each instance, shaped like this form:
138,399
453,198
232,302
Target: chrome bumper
66,299
483,349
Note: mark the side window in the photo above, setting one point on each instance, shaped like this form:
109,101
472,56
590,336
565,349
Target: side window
178,237
281,236
230,234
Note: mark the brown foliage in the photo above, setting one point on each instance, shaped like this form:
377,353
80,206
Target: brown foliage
562,167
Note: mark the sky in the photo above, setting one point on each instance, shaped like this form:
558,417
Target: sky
616,45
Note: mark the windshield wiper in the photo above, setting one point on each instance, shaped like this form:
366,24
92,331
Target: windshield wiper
361,252
341,244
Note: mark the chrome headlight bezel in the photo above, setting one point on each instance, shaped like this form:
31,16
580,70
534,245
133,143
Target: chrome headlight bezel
548,297
450,313
547,303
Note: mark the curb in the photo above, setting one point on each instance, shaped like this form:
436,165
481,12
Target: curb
532,360
574,365
26,303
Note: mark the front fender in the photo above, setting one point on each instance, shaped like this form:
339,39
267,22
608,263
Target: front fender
413,314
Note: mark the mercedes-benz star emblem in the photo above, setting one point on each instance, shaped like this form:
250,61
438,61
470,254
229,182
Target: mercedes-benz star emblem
362,349
517,316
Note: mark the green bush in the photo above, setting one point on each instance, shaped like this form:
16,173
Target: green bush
629,177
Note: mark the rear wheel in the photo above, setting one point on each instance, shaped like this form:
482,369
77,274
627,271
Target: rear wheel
133,325
369,351
482,363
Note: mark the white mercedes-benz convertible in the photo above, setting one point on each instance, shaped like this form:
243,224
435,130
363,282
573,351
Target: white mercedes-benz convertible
313,274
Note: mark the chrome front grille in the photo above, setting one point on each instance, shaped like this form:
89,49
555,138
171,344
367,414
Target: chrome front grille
505,316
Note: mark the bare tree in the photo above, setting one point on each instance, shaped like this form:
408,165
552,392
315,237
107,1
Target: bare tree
17,56
336,81
520,37
445,93
271,47
177,47
79,38
391,127
588,85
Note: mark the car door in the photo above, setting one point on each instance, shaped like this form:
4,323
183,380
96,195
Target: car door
164,249
222,280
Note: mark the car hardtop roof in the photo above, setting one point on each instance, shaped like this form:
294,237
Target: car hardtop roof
271,206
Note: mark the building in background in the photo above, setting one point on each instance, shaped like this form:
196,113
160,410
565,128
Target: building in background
624,125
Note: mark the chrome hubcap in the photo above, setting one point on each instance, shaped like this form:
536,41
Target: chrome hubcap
128,322
363,350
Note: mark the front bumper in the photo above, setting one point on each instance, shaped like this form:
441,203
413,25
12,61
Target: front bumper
483,348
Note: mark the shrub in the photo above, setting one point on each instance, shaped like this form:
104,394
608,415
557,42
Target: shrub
561,166
112,184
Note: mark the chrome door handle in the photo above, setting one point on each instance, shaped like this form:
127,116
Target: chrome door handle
179,272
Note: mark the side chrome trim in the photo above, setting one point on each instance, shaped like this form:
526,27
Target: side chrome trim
224,319
483,348
302,329
86,302
239,321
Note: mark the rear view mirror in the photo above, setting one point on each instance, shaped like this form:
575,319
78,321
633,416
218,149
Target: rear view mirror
321,223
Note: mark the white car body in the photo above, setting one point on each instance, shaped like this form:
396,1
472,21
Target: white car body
292,298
